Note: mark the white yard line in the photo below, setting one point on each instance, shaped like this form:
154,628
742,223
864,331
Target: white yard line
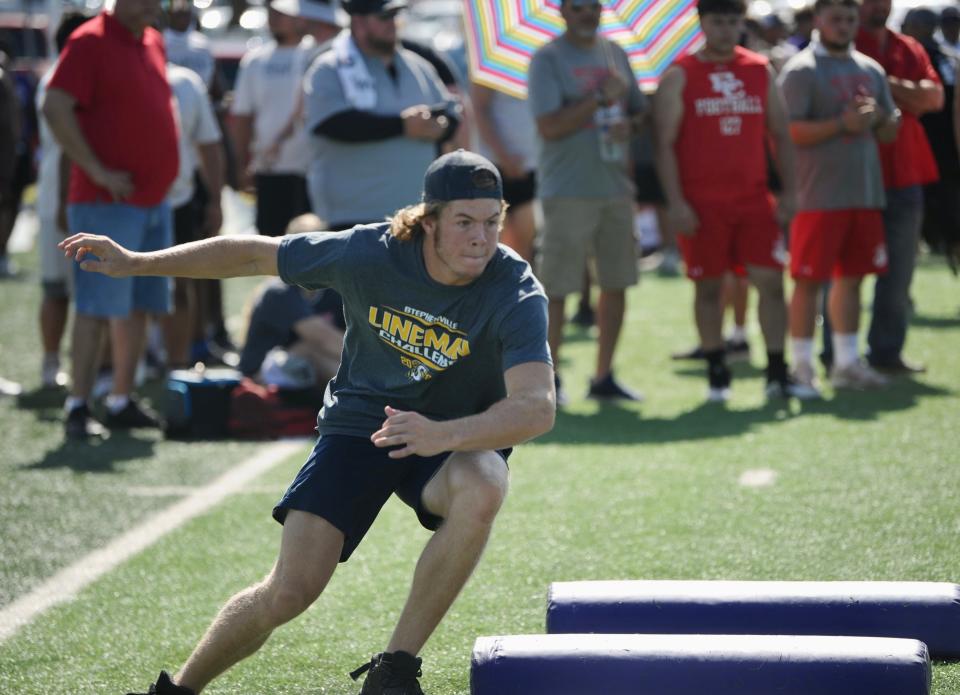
758,477
68,582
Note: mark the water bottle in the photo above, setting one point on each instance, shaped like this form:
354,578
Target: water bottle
608,115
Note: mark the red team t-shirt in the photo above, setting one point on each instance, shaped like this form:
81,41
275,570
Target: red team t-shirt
724,124
124,108
721,155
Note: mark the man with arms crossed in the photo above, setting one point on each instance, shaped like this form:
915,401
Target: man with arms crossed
714,113
445,366
839,105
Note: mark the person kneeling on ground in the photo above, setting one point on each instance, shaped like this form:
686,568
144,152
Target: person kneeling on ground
445,367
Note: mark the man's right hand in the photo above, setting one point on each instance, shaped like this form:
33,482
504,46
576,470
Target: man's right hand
118,183
110,258
859,115
418,124
613,87
682,218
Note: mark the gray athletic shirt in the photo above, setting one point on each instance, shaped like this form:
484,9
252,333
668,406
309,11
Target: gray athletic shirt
560,74
367,181
411,342
844,171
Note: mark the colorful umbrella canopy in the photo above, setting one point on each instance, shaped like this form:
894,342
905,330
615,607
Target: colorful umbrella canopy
502,35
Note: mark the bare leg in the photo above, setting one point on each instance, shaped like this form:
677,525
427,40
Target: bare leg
179,327
736,293
610,310
519,231
86,348
467,492
309,552
127,338
772,307
844,305
708,313
555,329
53,323
803,308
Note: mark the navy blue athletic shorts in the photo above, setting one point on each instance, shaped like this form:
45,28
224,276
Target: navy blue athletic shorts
347,480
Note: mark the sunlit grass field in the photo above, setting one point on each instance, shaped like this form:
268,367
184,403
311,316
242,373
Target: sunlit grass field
864,487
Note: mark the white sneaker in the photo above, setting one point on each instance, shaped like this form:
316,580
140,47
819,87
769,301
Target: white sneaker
718,394
10,388
51,376
803,383
857,375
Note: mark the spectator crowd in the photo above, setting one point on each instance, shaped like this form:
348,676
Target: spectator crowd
823,144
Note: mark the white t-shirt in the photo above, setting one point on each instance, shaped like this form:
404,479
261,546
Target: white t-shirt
198,126
269,86
191,49
48,174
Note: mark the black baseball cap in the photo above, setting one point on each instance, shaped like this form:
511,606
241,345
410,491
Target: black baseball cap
372,6
461,175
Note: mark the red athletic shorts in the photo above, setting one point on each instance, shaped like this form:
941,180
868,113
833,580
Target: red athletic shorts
732,236
837,243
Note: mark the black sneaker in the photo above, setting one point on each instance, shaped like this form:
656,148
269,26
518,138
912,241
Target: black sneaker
133,415
609,388
390,673
718,378
81,425
165,686
693,354
737,350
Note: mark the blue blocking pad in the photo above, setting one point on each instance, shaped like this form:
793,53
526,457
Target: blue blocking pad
697,665
925,611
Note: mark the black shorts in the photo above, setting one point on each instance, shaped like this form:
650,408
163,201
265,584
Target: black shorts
520,191
347,480
649,190
280,198
188,218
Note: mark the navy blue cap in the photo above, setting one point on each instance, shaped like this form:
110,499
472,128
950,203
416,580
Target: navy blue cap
461,175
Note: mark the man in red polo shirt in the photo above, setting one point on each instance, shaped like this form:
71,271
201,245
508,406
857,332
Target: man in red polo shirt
110,107
908,164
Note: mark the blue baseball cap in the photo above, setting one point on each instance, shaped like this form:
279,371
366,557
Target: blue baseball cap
461,175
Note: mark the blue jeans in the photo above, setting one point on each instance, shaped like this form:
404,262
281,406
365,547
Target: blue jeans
137,229
902,221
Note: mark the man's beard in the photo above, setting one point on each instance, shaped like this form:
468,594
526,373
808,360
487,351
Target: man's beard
383,46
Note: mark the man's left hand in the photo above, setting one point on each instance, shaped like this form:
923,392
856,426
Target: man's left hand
786,209
411,431
212,219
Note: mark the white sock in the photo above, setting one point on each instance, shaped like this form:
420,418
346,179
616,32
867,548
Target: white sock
117,403
802,351
73,402
845,350
738,334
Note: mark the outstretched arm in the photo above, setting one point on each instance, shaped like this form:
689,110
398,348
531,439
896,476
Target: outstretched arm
220,257
527,412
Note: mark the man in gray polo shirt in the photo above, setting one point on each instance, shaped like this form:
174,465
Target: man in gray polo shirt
376,112
587,104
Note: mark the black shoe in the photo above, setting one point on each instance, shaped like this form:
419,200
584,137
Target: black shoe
390,673
737,350
562,398
609,388
898,366
165,686
133,415
585,316
81,425
694,354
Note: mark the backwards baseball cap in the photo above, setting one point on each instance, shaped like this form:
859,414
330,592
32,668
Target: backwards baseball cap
950,14
353,7
461,175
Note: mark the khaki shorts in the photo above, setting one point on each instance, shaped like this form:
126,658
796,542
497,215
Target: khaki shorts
574,230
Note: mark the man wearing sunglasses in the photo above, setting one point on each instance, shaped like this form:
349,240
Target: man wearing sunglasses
376,112
587,105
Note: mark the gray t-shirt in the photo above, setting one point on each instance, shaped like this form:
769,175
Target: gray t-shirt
368,181
411,342
560,74
844,171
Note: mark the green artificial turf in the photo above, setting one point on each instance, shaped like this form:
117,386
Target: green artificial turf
866,488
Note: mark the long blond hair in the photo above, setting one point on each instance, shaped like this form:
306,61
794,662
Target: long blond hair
407,223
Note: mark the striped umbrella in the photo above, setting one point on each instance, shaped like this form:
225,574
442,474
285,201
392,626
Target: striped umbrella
502,35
